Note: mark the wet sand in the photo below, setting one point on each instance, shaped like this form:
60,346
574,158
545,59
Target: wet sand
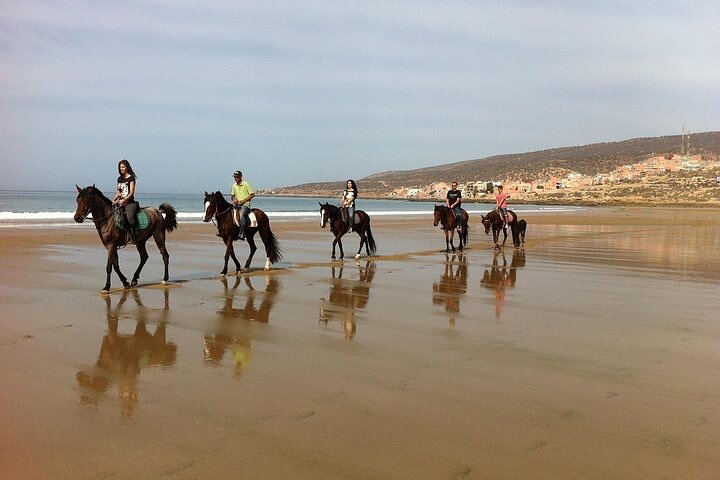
590,353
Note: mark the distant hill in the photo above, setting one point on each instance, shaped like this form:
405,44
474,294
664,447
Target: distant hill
588,160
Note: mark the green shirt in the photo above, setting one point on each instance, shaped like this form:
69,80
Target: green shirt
241,191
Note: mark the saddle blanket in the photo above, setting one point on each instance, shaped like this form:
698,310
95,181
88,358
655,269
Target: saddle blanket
251,217
141,219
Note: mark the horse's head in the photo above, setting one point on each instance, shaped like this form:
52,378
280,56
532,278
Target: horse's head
437,215
487,223
212,205
84,202
327,212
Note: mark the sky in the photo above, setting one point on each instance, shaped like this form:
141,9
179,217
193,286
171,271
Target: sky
299,91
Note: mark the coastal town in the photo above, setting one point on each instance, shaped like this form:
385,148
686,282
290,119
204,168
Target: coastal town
659,179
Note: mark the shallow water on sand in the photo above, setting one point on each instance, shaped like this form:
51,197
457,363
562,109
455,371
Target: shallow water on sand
589,353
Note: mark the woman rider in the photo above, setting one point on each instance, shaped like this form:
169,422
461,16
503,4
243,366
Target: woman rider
347,204
125,196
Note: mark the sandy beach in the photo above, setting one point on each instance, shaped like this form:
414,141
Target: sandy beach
590,353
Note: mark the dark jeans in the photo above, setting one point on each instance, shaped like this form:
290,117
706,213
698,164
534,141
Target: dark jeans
243,211
457,211
129,211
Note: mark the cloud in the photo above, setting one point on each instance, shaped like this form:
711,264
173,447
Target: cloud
326,90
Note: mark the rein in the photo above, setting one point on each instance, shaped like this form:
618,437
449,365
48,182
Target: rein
218,215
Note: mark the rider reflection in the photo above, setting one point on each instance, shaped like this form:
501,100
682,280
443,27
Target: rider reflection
230,333
346,296
452,284
499,278
123,356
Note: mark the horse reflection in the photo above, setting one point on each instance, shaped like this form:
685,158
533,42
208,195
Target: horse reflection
452,284
346,296
230,333
123,356
499,278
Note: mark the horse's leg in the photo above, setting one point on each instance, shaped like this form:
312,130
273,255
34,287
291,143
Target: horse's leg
460,237
265,236
159,237
250,237
339,243
113,262
335,241
451,233
142,250
447,241
363,241
229,252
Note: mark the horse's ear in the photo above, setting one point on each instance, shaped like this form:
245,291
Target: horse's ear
206,194
78,188
320,204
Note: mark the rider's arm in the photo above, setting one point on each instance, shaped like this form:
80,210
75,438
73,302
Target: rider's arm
245,200
131,192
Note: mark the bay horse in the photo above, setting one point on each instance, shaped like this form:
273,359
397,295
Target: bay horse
219,209
446,218
494,221
91,201
330,215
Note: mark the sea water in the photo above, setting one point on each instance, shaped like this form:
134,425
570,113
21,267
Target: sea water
28,208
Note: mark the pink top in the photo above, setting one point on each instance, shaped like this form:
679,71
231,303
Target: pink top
501,200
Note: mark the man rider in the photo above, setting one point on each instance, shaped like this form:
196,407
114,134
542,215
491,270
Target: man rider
241,194
453,200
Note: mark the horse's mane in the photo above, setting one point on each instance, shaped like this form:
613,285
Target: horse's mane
96,191
220,198
331,206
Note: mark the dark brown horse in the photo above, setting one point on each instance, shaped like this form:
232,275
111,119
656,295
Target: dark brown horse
330,215
91,201
219,209
446,218
493,221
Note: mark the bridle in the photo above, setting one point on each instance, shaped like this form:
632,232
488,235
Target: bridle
89,211
217,214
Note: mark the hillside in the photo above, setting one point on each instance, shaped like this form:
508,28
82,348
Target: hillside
526,167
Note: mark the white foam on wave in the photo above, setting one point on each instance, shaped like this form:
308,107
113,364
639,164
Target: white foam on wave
62,218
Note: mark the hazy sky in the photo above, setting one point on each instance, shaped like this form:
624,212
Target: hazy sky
299,91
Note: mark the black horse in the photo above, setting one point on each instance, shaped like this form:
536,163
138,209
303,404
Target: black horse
523,228
330,215
91,201
446,218
221,210
494,221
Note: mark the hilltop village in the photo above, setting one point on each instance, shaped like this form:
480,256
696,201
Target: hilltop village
660,179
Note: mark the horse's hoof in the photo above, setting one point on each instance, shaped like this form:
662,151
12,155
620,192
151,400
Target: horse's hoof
357,256
133,284
105,291
164,282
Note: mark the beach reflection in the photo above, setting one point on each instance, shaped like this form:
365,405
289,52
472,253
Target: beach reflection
123,356
499,278
452,284
230,333
346,296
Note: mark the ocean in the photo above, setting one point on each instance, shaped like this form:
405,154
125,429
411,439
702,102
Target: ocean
33,209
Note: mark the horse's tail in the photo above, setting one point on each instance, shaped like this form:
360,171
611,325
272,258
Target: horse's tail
370,239
170,216
274,251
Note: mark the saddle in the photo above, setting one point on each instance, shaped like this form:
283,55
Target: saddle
252,219
141,219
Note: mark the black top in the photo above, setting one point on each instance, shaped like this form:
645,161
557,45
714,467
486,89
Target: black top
123,186
453,195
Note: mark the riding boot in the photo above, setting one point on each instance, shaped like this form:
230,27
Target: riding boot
133,234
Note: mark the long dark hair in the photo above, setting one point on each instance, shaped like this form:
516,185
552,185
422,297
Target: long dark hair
354,187
127,165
